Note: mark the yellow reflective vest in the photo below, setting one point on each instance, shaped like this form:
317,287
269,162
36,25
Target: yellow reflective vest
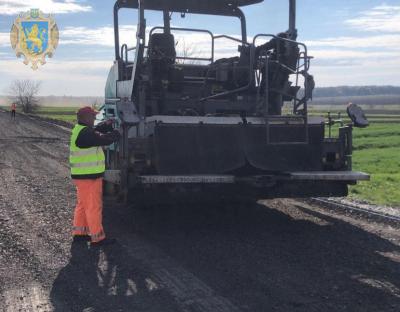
85,161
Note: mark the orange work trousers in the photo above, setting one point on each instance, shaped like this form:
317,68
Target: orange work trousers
88,215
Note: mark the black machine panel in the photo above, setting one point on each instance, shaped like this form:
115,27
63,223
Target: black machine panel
219,149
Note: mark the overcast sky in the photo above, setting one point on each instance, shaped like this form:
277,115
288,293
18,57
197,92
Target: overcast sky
354,42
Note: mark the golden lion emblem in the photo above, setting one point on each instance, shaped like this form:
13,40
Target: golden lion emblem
34,36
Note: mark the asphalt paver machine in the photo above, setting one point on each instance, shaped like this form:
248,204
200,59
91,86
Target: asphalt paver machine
218,126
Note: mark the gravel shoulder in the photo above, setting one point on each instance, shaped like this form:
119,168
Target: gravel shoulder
277,255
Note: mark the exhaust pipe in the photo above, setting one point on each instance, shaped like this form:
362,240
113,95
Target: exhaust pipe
292,20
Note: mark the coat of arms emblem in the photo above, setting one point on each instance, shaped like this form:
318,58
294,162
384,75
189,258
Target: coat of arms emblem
34,35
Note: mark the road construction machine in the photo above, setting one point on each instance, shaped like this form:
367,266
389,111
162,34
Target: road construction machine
215,124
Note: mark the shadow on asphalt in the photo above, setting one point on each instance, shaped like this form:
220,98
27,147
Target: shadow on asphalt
262,259
105,279
258,258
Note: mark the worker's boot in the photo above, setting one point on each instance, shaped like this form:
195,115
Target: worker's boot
103,242
81,238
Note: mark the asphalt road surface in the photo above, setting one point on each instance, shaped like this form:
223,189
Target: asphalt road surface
277,255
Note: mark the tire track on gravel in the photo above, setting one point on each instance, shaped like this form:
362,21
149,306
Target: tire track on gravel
36,199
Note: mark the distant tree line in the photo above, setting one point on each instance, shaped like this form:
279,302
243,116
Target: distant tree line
344,91
371,100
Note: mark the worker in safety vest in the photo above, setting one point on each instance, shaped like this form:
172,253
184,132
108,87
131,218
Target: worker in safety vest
87,170
13,109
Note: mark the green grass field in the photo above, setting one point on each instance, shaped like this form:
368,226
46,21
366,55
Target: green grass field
67,114
377,152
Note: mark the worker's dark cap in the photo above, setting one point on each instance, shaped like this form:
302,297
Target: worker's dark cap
87,110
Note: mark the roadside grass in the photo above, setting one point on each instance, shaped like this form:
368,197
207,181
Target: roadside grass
67,114
378,129
382,189
373,142
377,160
57,110
68,118
377,152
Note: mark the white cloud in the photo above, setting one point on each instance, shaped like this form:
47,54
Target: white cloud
4,39
87,77
382,42
359,60
55,68
199,44
353,54
13,7
351,60
381,18
382,72
103,36
84,77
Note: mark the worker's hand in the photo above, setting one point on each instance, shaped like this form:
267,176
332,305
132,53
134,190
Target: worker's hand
110,121
116,135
